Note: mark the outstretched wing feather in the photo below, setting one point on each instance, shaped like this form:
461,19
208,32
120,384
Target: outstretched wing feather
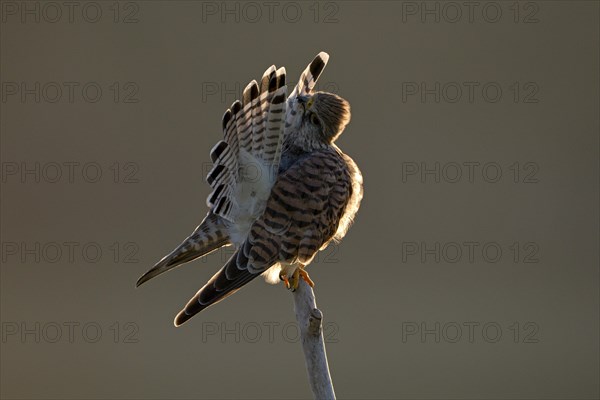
249,126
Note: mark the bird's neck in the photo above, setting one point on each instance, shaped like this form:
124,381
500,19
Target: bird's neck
295,148
297,142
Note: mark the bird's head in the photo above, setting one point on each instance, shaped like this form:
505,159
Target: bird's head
321,117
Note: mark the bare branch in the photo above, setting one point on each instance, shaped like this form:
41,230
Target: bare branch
309,319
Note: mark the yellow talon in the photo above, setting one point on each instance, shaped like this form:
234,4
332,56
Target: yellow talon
285,280
305,276
293,282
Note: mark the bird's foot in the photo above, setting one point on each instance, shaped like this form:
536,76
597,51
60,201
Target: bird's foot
292,282
305,276
284,278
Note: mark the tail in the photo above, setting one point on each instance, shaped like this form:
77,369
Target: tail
210,235
224,283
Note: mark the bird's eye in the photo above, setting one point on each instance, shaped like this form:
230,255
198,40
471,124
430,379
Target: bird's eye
314,120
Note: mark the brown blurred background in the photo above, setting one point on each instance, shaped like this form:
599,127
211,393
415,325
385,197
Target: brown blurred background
471,270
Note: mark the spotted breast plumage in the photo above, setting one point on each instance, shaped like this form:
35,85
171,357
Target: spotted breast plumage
281,188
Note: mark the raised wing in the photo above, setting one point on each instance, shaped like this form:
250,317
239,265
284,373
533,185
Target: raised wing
253,134
253,130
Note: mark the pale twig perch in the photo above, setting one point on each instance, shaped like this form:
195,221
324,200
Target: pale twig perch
309,321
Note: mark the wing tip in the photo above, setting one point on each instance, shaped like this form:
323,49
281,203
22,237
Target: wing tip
217,150
236,106
181,318
226,118
160,267
266,78
324,56
141,280
250,92
318,64
192,308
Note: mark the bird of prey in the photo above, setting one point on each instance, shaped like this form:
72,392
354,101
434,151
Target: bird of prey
281,188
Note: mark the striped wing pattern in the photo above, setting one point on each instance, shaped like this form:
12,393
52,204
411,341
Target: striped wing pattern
302,215
308,78
304,205
252,126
